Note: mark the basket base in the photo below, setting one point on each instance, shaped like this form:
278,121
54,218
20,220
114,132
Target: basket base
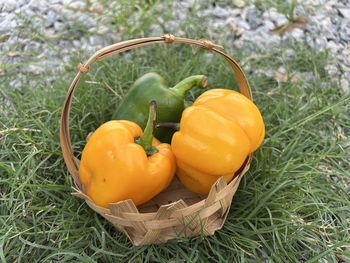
174,192
175,212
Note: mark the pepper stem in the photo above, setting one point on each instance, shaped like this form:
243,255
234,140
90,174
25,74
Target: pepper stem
146,139
186,84
171,125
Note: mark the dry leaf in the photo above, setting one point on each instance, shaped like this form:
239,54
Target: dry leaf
284,77
14,53
88,136
238,31
298,22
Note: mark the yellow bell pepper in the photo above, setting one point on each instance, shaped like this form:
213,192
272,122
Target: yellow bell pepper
216,135
121,162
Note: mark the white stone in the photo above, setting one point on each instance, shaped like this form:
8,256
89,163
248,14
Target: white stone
59,26
21,3
50,18
9,6
297,33
344,84
41,6
345,12
156,30
27,12
101,29
77,5
332,70
345,33
171,26
333,47
254,19
96,7
268,25
49,32
274,16
289,52
16,83
49,53
95,40
243,24
307,76
76,43
235,12
300,10
37,22
64,12
280,20
67,2
346,72
8,23
184,4
52,63
282,70
325,22
86,20
220,12
218,24
239,3
32,46
320,43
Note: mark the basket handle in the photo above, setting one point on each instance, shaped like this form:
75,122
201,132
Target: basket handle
71,161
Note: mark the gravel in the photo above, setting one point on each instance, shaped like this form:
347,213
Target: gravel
47,34
327,28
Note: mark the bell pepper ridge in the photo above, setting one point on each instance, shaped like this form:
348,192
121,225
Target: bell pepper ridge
115,167
218,132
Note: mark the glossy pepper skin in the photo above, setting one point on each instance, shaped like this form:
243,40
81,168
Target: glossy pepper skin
114,167
170,101
216,135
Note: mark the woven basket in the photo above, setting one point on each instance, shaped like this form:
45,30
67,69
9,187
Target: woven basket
175,212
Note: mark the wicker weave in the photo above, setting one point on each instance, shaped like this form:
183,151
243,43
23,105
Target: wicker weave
176,212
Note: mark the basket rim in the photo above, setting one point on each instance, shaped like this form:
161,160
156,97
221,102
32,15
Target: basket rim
72,162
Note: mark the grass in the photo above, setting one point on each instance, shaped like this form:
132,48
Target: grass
292,206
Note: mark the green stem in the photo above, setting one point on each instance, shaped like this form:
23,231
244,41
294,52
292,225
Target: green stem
146,139
186,84
172,125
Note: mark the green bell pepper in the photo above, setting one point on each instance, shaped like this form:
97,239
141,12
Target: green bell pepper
170,101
